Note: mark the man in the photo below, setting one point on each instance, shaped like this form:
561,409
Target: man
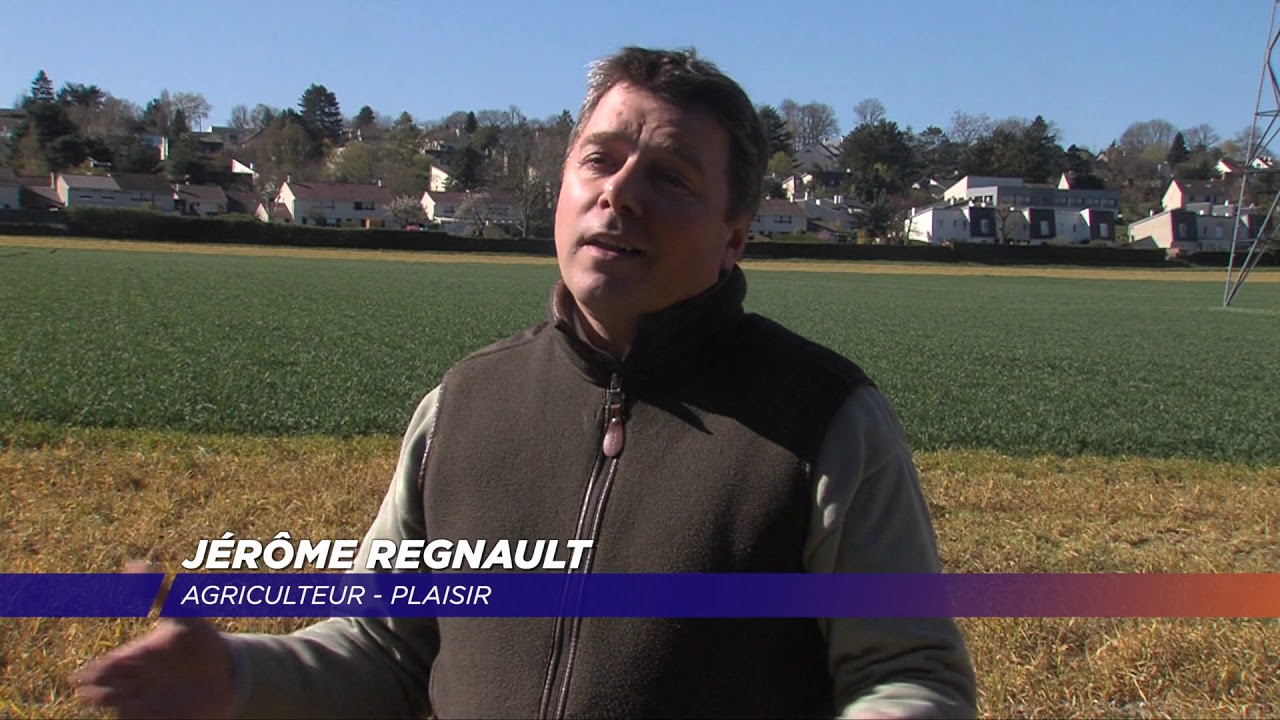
651,415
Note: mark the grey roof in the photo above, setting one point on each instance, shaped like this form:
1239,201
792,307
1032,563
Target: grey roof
8,176
90,182
141,182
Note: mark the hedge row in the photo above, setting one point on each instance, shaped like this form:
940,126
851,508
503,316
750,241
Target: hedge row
142,225
966,252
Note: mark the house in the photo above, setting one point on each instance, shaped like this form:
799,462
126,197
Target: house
1016,192
38,192
124,190
10,118
815,184
823,157
1170,229
779,217
151,191
457,211
231,135
1197,228
336,204
439,179
243,203
1182,193
157,141
1227,166
10,190
202,200
952,222
240,168
834,215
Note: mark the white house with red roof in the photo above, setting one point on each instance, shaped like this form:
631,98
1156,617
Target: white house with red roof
336,204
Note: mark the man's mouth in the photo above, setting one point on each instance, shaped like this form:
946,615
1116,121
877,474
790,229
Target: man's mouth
614,247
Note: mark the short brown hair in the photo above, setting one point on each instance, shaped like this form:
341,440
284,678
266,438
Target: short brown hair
683,79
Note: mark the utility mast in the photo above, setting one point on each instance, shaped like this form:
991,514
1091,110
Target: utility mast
1258,162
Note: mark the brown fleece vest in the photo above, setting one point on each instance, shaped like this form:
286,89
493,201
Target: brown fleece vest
722,416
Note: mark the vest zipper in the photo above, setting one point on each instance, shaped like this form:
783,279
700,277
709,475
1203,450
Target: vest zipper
564,643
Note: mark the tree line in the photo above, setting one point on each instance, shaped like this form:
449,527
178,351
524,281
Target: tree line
884,167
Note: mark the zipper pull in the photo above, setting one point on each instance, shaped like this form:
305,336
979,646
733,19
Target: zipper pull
614,433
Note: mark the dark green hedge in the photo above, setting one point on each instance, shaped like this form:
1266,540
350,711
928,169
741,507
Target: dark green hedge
141,225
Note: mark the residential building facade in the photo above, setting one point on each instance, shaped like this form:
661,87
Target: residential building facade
336,204
778,217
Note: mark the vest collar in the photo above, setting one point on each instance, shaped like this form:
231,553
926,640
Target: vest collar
667,342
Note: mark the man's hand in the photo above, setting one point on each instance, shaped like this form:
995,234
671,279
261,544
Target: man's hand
180,669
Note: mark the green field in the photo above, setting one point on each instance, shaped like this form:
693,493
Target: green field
281,345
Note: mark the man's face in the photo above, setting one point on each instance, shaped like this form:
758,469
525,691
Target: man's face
642,221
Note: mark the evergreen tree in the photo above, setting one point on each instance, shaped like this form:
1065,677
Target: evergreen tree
1041,156
471,124
42,89
321,115
879,157
365,118
775,129
468,170
178,125
1178,151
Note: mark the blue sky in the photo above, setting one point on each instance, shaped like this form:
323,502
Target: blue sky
1090,66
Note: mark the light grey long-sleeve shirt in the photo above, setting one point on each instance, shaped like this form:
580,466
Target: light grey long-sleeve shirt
869,516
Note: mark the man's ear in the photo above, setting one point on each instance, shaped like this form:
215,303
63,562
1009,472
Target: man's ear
733,250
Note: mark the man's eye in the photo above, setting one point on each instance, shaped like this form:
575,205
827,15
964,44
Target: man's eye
595,160
674,180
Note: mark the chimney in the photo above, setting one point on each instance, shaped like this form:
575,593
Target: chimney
379,182
288,178
53,179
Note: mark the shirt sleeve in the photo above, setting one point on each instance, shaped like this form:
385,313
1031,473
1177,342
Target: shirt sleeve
351,667
870,516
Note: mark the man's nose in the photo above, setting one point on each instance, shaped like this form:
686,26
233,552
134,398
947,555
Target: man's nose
623,191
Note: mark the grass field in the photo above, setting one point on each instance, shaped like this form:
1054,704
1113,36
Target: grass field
1081,421
298,345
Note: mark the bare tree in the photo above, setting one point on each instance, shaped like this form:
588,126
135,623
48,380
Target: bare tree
869,111
193,106
240,117
1140,136
967,129
810,123
1201,138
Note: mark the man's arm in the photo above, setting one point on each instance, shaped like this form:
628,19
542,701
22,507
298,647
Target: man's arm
870,517
351,667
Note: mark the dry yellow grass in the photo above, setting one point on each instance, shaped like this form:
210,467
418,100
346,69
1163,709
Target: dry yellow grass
92,500
1217,275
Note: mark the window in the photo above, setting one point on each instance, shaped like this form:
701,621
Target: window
1182,231
1104,230
1108,202
1218,232
985,226
1044,228
784,219
360,206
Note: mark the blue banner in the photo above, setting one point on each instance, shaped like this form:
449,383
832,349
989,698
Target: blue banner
642,595
78,594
